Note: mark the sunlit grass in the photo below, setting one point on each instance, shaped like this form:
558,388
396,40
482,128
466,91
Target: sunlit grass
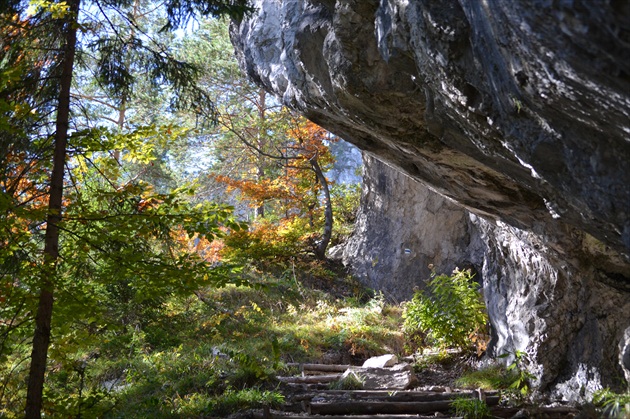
222,348
489,378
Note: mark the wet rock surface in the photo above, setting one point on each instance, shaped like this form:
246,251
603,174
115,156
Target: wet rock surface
518,111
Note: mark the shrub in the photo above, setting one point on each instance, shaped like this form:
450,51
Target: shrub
267,241
522,380
449,313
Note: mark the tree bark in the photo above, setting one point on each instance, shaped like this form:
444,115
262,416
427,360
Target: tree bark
320,249
41,337
262,103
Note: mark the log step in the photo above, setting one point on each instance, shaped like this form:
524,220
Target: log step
261,415
321,367
389,395
310,379
363,408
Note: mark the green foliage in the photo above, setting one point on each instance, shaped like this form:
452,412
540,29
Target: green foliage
130,278
268,242
345,199
213,353
441,358
611,404
471,408
514,381
123,256
522,377
449,312
56,10
248,370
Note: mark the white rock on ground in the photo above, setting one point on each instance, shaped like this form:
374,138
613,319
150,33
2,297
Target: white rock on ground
398,377
382,361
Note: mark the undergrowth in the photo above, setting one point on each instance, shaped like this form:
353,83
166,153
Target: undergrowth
494,377
218,351
449,313
471,408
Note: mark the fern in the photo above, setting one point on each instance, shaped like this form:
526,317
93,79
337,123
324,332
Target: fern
449,312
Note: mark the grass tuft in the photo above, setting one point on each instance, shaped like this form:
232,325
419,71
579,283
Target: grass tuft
352,381
490,378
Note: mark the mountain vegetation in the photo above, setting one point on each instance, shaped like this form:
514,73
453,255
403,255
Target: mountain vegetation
122,150
164,223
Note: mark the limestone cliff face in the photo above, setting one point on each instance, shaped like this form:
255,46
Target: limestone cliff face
402,228
556,305
519,111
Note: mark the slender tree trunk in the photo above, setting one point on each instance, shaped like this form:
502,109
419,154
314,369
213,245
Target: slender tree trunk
262,98
121,123
320,250
41,338
122,109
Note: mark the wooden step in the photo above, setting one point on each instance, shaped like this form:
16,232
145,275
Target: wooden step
306,368
393,395
310,379
272,415
365,407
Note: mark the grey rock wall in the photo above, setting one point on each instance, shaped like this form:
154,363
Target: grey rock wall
402,228
544,297
519,111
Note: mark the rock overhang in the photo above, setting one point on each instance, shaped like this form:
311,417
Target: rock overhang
516,110
519,111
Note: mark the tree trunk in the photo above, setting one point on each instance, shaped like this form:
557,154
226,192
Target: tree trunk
122,110
262,99
41,337
320,249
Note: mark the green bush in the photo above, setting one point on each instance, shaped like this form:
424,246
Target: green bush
345,200
522,377
449,313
